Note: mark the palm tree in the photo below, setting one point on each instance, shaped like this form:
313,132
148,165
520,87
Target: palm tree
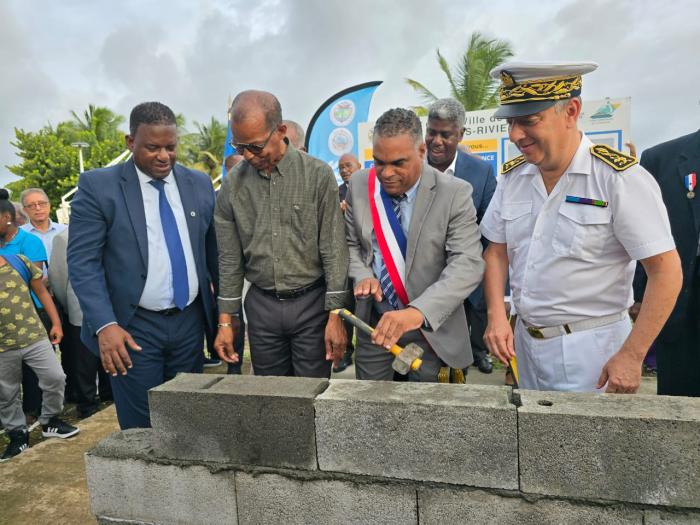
470,82
102,121
204,149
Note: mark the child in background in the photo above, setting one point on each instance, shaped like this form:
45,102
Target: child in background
23,339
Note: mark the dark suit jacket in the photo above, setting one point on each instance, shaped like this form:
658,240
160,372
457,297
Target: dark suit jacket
480,175
342,191
108,244
669,163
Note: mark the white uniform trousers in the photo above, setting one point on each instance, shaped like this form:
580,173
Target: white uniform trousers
571,362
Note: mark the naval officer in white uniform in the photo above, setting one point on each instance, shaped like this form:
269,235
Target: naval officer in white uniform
570,218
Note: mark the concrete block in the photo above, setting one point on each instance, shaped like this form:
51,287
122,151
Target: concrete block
124,490
265,421
273,499
642,449
657,517
463,434
438,506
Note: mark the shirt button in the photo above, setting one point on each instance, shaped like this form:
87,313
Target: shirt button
274,234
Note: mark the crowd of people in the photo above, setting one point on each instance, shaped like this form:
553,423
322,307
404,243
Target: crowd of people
422,246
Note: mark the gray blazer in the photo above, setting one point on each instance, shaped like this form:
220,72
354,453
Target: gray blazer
443,256
58,279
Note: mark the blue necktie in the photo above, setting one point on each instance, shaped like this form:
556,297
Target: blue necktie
384,280
181,288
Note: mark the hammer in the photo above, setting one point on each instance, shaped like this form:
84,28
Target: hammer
407,358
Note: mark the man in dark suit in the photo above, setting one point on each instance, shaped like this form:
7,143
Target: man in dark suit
142,260
675,166
347,165
445,129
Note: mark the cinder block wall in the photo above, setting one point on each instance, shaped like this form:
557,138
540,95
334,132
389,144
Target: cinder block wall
258,450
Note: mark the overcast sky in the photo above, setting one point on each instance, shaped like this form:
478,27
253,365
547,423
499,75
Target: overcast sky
191,55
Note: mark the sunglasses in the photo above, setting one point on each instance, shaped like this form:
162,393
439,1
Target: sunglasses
255,149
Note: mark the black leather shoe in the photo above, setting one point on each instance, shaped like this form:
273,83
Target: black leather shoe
485,365
342,365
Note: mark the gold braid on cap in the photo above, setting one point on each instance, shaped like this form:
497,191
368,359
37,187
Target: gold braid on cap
533,90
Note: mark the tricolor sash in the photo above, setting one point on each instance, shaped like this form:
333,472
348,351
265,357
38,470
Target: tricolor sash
390,237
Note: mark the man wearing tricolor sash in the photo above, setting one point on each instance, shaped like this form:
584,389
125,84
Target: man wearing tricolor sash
415,254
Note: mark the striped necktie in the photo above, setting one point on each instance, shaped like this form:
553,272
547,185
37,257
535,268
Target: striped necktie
384,279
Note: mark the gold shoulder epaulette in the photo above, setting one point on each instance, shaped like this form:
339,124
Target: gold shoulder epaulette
613,158
512,163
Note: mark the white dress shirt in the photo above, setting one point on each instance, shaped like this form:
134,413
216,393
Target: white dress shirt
572,261
158,290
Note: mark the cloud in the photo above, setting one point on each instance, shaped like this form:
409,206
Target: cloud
193,56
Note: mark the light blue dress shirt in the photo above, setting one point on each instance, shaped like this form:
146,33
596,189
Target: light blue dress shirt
158,290
47,236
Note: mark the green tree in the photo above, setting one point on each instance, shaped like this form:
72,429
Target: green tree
48,160
203,150
469,81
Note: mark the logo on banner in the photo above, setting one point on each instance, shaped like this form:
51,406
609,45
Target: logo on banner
342,112
340,141
605,111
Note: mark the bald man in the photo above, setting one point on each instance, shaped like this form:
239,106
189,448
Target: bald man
279,226
295,134
347,165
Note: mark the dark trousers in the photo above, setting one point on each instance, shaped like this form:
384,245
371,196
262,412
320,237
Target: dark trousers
477,320
169,344
678,353
287,337
375,363
349,328
86,370
238,346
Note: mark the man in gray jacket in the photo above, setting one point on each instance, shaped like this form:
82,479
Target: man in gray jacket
415,254
84,364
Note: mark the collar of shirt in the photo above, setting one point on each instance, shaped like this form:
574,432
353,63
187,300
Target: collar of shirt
411,193
145,179
451,168
581,163
32,229
287,159
17,238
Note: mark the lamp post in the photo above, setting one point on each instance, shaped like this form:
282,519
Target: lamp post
80,146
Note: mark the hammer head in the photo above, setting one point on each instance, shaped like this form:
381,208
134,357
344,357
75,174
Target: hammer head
402,362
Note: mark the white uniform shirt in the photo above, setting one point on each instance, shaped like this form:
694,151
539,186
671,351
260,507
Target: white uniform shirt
158,290
569,261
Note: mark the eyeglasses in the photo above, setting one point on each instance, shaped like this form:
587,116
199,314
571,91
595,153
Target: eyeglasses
37,205
255,149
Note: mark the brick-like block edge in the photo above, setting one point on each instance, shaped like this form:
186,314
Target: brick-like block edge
123,489
468,506
641,449
269,498
460,434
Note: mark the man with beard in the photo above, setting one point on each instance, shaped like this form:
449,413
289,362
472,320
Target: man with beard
415,255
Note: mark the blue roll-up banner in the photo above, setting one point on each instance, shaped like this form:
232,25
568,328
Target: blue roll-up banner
228,149
332,131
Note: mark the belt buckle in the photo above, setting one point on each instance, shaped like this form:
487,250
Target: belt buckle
535,332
